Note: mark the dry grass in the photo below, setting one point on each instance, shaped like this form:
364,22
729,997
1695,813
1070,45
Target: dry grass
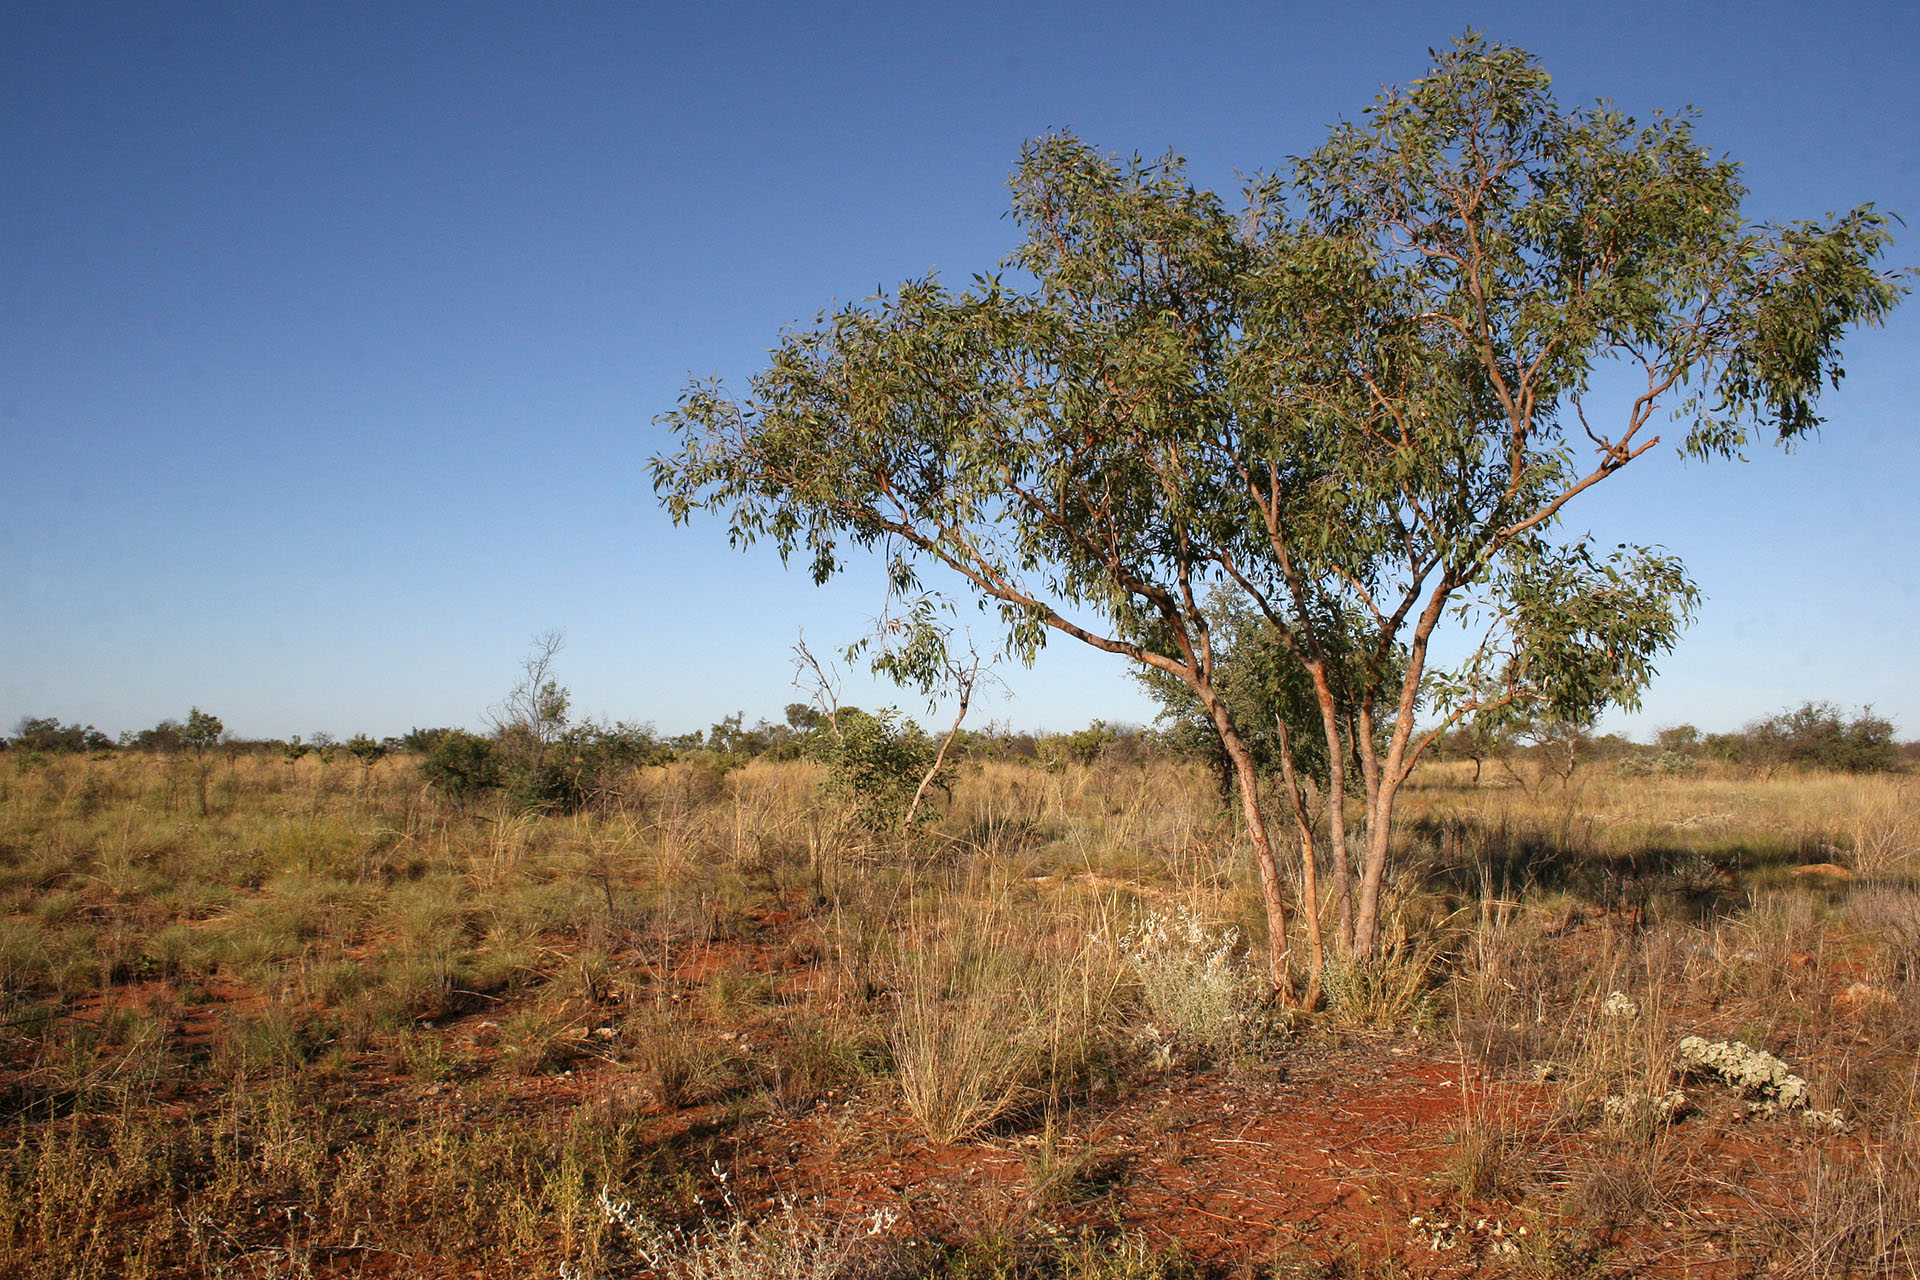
206,1019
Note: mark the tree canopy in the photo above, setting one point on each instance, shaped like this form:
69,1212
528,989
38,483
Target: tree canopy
1359,404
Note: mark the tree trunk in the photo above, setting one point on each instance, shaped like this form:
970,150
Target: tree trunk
1336,807
1366,924
1278,970
1309,867
1382,789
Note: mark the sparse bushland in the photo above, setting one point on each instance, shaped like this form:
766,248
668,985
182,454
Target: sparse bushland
348,1023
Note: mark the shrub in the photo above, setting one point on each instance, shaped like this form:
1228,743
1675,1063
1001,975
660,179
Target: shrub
461,764
1202,996
46,735
1082,746
165,738
874,762
1815,735
586,762
366,750
202,732
1664,764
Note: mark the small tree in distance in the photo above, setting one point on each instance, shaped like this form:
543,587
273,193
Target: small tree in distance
879,764
1362,406
201,733
368,750
537,705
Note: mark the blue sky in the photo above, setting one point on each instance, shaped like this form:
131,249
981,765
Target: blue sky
332,335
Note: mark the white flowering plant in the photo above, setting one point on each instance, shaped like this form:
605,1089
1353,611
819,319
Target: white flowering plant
1201,994
786,1246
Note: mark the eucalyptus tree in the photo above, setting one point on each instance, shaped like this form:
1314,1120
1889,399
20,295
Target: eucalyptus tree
1030,439
1471,308
1362,403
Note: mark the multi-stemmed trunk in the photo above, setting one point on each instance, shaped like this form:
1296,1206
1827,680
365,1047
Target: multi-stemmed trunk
1272,899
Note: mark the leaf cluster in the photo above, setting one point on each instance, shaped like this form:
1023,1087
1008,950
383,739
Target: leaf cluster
874,763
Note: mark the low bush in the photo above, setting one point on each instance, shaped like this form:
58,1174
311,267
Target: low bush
874,763
1202,998
461,764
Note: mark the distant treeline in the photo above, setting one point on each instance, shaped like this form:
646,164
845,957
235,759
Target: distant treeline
566,764
638,743
551,763
1814,735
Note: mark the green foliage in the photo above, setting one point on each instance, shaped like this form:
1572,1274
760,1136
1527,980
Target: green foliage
874,763
423,740
585,764
1262,685
164,737
460,763
731,736
535,757
1082,746
580,768
368,751
1817,735
1660,764
202,732
1580,635
46,735
1679,737
1361,406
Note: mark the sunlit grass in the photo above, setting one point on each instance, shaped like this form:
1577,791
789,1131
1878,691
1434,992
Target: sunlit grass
199,1015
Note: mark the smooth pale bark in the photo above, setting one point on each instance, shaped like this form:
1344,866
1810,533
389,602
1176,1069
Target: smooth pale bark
1309,867
1272,898
1366,923
1336,805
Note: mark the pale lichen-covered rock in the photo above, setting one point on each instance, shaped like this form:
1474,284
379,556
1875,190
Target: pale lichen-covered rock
1633,1110
1756,1072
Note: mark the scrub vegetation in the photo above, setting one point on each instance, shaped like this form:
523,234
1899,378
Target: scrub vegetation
348,1021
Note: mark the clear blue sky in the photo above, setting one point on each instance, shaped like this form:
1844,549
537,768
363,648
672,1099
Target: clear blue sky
332,335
